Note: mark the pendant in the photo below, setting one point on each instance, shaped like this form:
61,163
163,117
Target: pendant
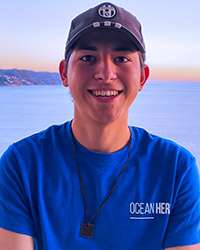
87,230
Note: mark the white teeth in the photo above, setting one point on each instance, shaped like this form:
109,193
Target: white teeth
105,92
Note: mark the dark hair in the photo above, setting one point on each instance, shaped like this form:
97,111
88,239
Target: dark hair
68,53
142,59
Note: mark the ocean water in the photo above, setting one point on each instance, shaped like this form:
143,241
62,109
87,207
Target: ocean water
171,110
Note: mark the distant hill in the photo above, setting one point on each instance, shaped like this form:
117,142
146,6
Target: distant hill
16,77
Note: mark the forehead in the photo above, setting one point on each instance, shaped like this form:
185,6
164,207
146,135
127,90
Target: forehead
106,38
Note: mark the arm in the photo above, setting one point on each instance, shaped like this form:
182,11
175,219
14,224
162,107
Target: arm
192,247
15,211
15,241
183,231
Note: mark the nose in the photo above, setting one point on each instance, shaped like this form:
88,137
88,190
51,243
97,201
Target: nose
105,70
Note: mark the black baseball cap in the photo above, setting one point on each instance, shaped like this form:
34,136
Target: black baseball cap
106,16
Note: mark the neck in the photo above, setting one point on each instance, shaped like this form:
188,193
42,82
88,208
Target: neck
100,137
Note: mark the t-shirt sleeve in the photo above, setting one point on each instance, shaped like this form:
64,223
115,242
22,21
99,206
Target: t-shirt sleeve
184,224
15,212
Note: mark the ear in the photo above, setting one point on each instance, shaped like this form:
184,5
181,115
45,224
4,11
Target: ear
63,72
144,76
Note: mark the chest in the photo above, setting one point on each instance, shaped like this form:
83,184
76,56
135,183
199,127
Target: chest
135,214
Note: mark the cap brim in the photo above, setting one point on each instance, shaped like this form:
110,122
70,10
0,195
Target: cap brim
70,44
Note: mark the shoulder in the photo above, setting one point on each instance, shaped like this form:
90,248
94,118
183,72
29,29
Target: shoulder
149,140
161,148
38,144
45,135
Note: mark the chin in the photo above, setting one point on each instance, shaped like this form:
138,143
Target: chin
108,119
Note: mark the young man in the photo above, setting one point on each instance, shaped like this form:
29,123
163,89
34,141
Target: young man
96,183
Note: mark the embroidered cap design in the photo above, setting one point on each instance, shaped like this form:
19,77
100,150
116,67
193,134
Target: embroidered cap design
107,11
105,16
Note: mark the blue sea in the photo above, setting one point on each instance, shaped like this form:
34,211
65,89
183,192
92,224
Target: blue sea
171,110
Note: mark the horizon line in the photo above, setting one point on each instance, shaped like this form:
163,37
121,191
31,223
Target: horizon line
181,74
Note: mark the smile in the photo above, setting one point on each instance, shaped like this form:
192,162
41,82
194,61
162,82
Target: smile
105,93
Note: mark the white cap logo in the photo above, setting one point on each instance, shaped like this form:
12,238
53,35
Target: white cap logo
107,11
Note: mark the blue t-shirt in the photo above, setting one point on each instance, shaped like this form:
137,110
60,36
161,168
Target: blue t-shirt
156,203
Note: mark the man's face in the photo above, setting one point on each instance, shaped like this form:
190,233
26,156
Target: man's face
104,76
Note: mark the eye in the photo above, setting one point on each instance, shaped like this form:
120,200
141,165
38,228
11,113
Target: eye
121,59
88,58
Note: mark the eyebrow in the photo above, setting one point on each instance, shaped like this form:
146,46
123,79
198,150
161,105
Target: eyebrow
117,48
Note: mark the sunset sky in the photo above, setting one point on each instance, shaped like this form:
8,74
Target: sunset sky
33,34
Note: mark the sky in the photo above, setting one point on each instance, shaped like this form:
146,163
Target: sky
34,33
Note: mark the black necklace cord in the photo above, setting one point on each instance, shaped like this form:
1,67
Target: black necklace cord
91,221
112,188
